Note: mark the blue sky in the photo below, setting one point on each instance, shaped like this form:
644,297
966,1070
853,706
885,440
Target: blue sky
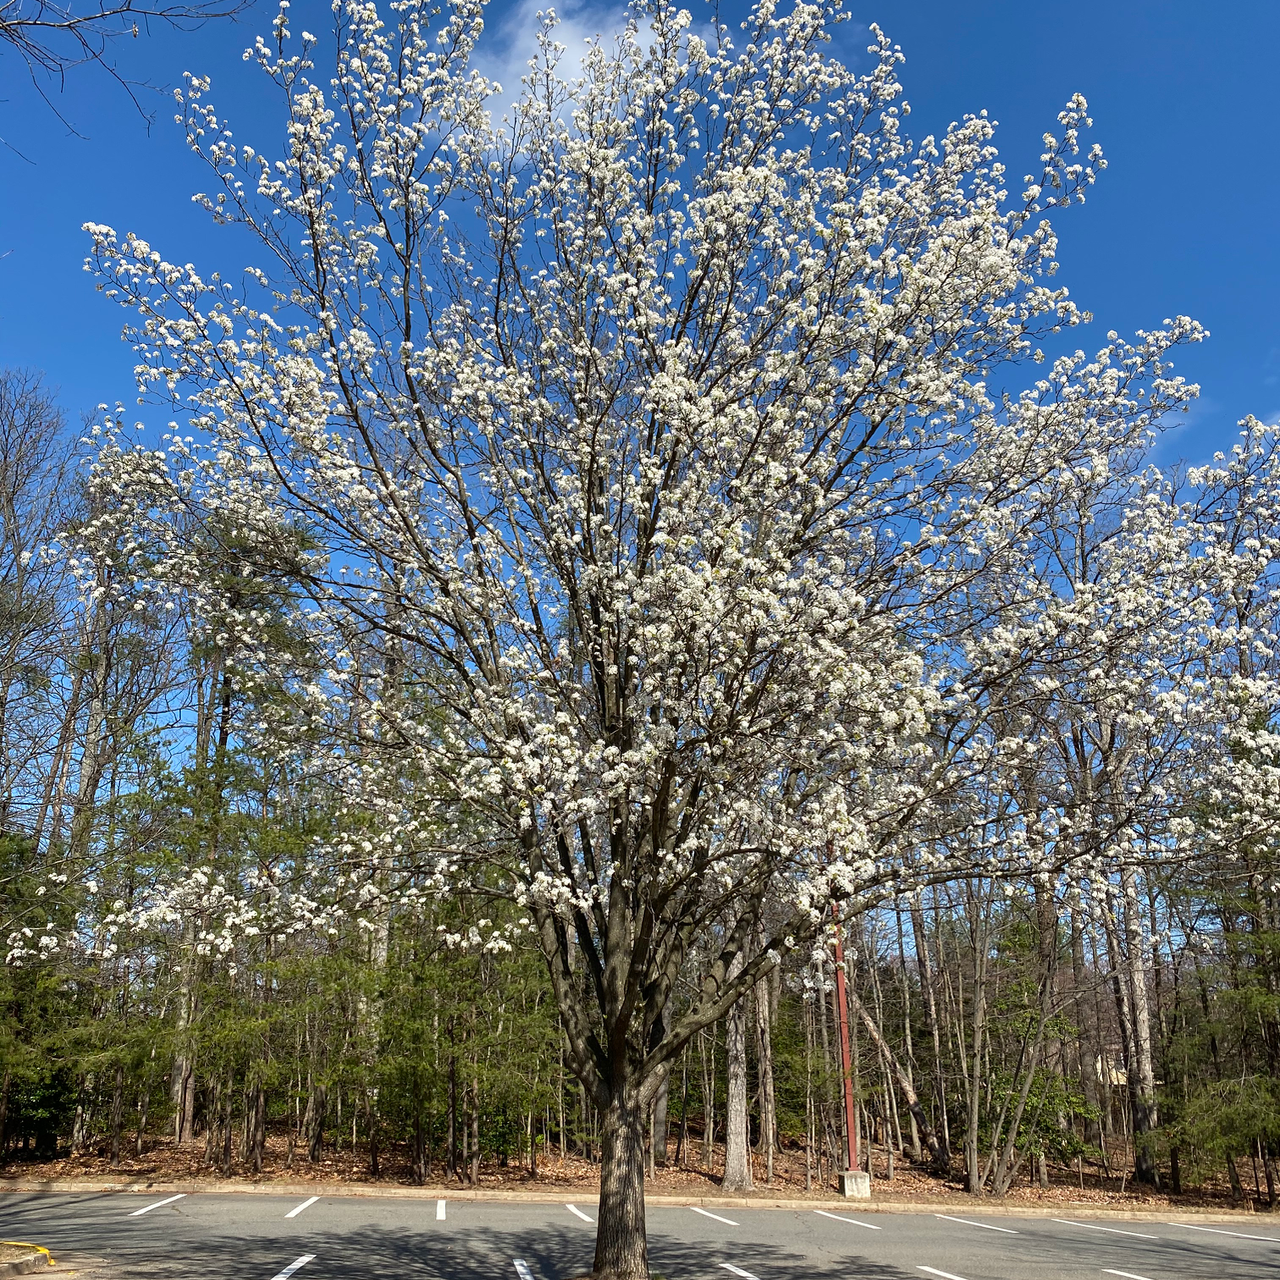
1185,220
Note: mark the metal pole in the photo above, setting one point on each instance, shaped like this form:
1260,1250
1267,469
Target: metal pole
846,1067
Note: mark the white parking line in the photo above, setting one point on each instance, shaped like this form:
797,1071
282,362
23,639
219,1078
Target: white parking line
933,1271
522,1269
137,1213
706,1213
870,1226
1240,1235
297,1209
1115,1231
1128,1275
439,1210
577,1213
738,1271
968,1222
295,1265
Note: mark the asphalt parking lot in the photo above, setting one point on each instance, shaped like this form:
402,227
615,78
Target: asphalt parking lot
161,1236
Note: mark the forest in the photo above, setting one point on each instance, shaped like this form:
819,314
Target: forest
1126,1029
629,594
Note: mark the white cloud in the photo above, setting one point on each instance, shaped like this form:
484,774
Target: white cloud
506,48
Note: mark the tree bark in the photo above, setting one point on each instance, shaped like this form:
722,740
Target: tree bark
737,1146
929,988
661,1102
93,753
660,1105
259,1126
4,1106
1122,990
455,1169
621,1245
708,1098
473,1173
182,1080
117,1115
1143,1086
977,1028
768,1100
313,1122
927,1135
419,1144
80,1125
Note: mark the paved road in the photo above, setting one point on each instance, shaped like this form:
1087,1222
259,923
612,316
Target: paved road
260,1237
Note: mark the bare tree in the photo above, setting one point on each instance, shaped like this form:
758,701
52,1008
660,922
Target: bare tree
34,458
52,39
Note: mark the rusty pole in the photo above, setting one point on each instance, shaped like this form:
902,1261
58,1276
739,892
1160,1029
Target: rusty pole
846,1067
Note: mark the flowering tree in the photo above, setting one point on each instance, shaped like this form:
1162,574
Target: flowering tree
649,446
1145,630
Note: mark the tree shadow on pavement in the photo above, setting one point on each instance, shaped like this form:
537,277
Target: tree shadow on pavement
551,1253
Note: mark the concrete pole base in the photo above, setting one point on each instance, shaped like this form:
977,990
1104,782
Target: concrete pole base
854,1184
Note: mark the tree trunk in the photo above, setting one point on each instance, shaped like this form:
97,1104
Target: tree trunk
660,1104
621,1246
182,1079
737,1147
117,1115
451,1158
892,1130
560,1108
682,1142
768,1101
93,753
661,1101
259,1126
1005,1168
4,1106
1087,1051
1143,1087
708,1098
904,1081
474,1175
419,1145
929,988
80,1125
808,1096
228,1129
212,1106
144,1103
907,1043
51,801
313,1122
1122,994
1233,1176
975,1065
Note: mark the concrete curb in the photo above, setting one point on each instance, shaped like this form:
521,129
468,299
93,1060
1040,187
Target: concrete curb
25,1266
559,1195
37,1260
